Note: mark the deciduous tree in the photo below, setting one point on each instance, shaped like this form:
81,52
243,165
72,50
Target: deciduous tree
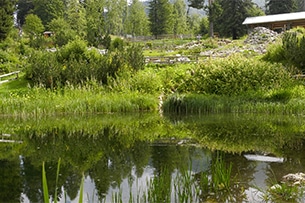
33,26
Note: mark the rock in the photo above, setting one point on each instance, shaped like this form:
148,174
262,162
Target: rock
261,35
295,179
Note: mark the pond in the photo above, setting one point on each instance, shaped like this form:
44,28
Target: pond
152,158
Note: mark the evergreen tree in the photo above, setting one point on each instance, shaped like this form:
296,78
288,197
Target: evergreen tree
95,16
76,17
7,8
160,17
179,17
115,16
137,21
300,5
199,4
280,6
47,10
212,8
234,12
24,7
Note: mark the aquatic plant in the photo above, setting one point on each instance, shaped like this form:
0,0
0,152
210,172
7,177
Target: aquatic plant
45,184
284,192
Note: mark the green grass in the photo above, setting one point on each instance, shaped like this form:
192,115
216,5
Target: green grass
20,100
19,84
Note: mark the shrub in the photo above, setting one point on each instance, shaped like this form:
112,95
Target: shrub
75,64
73,50
135,57
228,76
237,74
117,43
290,50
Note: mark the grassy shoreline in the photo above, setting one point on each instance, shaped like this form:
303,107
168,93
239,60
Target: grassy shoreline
18,100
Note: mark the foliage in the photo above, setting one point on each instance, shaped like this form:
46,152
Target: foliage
289,49
160,17
63,33
6,18
204,26
135,57
95,21
117,44
180,17
24,8
199,4
33,26
115,16
76,17
137,23
47,10
229,21
284,192
230,76
280,6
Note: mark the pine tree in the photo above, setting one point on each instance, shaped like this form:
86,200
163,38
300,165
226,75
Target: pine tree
137,21
24,7
116,16
76,17
48,10
180,17
160,17
280,6
234,12
7,8
95,16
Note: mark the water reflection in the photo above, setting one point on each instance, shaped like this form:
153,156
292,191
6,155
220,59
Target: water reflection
119,154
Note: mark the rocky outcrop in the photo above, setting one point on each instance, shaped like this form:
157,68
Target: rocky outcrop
294,178
261,35
256,43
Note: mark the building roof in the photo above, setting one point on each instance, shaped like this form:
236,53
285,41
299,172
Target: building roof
274,18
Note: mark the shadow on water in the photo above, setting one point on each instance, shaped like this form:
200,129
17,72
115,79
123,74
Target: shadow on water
128,156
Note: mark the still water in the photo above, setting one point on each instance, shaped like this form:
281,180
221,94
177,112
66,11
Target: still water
136,157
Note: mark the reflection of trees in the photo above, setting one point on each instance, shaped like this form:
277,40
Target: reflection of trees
114,150
10,181
239,133
32,181
118,159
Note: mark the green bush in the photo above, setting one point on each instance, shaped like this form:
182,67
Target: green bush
75,50
237,74
135,57
117,44
275,52
76,64
290,50
233,75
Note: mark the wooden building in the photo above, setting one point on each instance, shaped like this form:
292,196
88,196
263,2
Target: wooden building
278,22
